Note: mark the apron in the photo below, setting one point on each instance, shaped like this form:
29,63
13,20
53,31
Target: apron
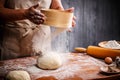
23,38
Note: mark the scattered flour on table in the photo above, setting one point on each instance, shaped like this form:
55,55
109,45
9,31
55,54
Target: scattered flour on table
71,66
60,73
17,64
68,70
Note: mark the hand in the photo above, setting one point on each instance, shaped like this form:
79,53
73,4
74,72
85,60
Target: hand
74,18
35,15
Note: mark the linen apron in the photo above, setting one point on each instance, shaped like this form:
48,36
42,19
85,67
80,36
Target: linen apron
23,38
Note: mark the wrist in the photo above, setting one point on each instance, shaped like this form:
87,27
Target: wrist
24,13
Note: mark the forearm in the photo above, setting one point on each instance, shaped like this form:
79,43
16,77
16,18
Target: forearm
56,4
7,15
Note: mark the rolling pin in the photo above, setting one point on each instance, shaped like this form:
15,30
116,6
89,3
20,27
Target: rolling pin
99,52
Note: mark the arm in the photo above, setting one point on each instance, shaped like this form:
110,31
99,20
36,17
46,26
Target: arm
7,15
56,4
10,14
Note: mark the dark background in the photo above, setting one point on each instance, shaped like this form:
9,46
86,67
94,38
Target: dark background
97,20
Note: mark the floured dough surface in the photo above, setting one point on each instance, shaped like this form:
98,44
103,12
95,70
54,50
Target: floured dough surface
49,60
18,75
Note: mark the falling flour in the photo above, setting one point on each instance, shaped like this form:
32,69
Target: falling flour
60,20
42,41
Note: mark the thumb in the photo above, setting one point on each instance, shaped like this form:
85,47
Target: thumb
35,6
70,9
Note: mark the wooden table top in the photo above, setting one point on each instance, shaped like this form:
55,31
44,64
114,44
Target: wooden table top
76,66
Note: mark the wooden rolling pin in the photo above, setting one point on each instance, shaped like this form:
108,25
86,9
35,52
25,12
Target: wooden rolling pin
99,52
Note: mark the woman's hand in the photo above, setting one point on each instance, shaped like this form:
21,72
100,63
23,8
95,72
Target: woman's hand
74,18
35,15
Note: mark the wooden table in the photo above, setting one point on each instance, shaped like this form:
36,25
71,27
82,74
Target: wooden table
76,66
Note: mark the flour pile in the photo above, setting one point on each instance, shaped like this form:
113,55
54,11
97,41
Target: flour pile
112,44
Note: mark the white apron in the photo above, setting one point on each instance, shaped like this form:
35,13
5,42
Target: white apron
23,38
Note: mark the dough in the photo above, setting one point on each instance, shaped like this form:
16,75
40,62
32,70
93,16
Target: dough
49,60
18,75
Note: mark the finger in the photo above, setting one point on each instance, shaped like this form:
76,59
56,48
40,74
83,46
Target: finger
39,18
69,30
35,6
36,17
38,21
70,9
74,17
40,14
43,18
73,23
41,21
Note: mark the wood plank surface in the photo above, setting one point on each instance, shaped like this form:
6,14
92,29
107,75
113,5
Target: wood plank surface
97,20
75,67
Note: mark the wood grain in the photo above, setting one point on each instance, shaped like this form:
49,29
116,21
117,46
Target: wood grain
76,66
97,20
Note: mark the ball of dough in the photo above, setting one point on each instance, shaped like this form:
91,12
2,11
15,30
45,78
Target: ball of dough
49,60
18,75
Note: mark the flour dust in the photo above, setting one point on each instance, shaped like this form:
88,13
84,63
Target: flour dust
43,39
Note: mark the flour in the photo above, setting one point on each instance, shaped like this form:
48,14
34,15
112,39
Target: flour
80,65
68,72
42,41
59,20
60,73
17,64
70,69
112,44
58,31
